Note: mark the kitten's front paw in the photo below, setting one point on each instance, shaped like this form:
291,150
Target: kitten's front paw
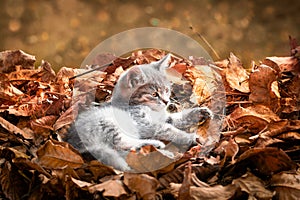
157,144
199,115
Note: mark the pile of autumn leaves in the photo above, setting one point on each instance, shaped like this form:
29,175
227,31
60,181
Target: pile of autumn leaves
257,156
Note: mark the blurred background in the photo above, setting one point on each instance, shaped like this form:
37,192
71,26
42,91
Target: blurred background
63,32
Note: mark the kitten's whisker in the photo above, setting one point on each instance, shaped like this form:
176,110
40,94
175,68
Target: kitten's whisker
89,71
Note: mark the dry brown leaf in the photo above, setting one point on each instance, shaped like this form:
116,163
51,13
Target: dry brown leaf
177,175
110,188
184,191
287,185
260,84
43,125
25,110
253,118
180,67
23,163
203,81
12,58
44,73
54,104
149,159
10,153
13,184
290,135
253,186
48,104
8,93
69,115
267,141
63,84
57,155
81,184
275,128
147,56
144,185
217,192
284,64
289,105
236,75
94,171
14,129
263,162
230,148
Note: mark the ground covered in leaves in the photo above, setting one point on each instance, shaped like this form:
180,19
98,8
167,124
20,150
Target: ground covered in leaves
255,156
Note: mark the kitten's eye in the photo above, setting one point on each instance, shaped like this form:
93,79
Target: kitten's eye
154,94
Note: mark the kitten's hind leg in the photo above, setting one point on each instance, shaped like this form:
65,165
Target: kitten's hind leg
180,138
126,142
109,156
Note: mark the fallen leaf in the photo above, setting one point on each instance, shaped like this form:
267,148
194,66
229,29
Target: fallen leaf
253,186
290,135
144,185
43,125
230,148
14,129
13,184
216,192
286,185
253,118
184,191
236,75
81,184
12,58
110,188
260,84
9,94
284,64
263,162
177,175
94,171
57,155
26,164
150,159
275,128
44,73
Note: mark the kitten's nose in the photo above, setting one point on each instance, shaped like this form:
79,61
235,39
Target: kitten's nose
172,108
164,101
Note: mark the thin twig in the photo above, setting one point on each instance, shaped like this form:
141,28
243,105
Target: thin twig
89,71
206,42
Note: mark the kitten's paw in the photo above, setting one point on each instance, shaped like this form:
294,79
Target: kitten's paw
157,144
199,115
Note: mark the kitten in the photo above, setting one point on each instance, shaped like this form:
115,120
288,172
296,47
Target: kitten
135,117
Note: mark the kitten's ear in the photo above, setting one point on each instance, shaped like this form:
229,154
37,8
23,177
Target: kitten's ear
163,63
135,77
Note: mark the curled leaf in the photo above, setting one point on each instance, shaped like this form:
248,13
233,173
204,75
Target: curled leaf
12,58
236,75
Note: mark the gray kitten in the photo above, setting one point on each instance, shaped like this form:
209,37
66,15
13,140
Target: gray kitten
136,116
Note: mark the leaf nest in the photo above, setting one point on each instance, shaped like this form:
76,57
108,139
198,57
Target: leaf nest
250,149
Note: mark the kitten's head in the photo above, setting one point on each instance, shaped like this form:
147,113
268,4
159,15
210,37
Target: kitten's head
144,85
